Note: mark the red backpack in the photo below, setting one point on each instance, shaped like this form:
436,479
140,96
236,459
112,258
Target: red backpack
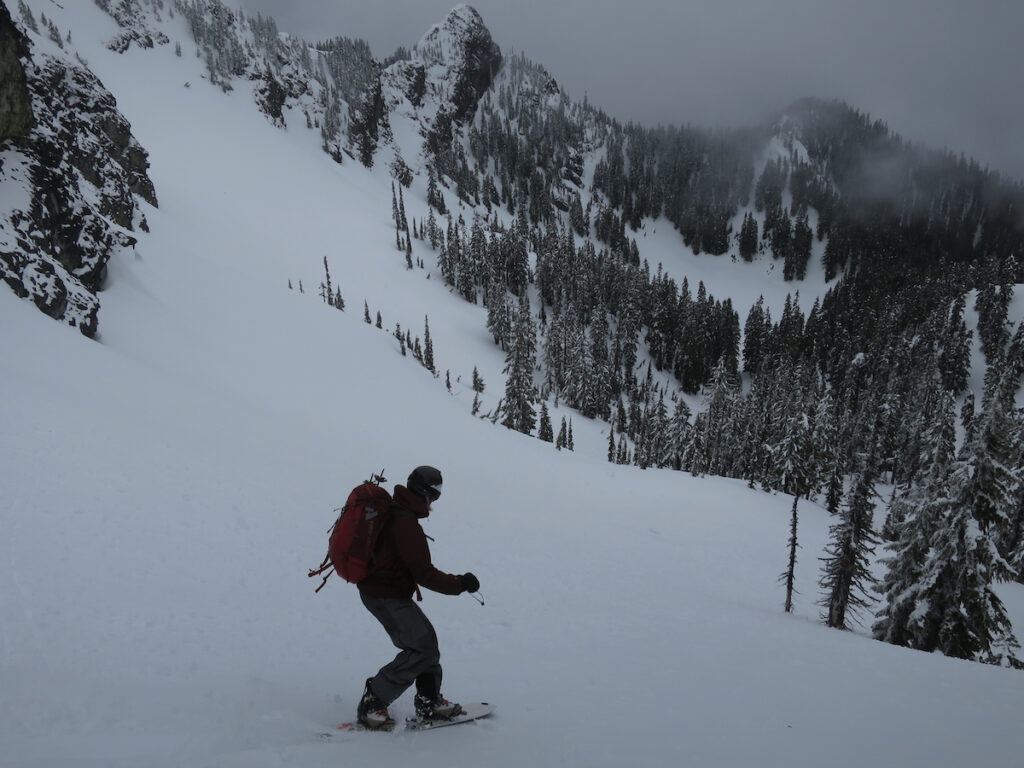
355,532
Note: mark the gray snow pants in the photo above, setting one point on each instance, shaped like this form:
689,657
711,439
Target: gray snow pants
418,660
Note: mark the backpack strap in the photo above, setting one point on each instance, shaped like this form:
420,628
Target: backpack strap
326,566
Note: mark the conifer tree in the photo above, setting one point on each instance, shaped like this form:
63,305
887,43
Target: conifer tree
325,287
678,434
793,453
478,382
27,17
545,431
966,619
499,318
846,575
828,458
753,337
401,220
967,411
788,577
954,608
955,349
915,515
400,337
719,434
428,351
992,304
622,457
800,249
1014,540
433,231
434,197
520,392
748,238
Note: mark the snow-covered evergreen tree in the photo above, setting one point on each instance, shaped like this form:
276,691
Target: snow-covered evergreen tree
846,575
545,431
428,348
914,516
951,606
520,392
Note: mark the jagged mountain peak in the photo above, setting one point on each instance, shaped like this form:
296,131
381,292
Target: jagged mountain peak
446,40
461,53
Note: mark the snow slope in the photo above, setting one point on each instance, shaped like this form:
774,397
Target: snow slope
165,489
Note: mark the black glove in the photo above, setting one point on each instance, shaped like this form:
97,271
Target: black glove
470,583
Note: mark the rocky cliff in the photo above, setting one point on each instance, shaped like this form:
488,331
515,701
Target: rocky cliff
15,102
73,176
460,59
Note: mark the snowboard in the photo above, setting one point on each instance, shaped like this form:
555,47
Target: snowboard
470,712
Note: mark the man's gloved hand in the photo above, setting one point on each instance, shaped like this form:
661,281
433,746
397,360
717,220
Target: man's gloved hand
470,583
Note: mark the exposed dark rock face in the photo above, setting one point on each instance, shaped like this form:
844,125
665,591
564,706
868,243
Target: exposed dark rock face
270,98
15,102
72,179
481,59
416,84
369,120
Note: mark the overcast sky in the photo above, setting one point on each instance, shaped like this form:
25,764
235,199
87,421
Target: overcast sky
949,73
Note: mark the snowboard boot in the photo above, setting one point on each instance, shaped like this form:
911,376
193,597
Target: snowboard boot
435,709
372,712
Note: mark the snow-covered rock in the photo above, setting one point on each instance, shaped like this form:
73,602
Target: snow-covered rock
460,60
135,23
72,185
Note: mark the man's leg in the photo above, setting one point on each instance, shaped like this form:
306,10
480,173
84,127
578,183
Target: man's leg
418,660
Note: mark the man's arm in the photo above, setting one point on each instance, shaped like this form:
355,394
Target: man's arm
411,543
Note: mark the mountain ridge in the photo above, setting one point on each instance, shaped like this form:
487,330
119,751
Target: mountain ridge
851,161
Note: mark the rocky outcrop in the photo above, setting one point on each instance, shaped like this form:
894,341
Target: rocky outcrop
15,102
72,185
135,26
461,60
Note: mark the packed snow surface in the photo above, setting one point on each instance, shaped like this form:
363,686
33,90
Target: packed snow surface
166,488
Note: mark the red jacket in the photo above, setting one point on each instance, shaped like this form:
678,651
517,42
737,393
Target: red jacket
402,559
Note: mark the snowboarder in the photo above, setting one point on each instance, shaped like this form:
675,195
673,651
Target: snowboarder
402,565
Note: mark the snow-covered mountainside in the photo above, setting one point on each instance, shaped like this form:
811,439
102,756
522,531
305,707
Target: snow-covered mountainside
165,487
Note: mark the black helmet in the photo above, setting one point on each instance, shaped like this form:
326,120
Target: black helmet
426,481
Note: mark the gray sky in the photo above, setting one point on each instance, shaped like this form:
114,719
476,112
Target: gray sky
949,73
